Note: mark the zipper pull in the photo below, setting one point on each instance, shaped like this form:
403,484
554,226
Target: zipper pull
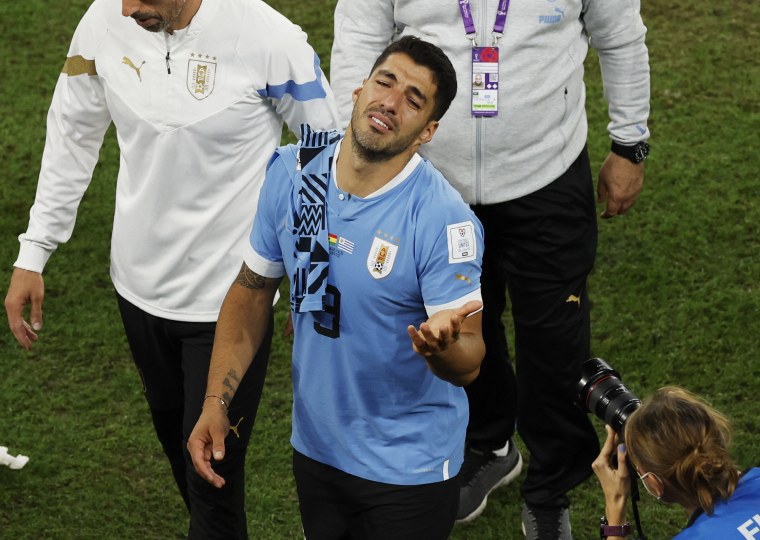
168,67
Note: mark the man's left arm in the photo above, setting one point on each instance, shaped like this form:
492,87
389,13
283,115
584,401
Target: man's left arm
618,34
449,267
451,341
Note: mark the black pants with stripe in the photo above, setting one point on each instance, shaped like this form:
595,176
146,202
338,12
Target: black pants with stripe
540,248
339,506
172,358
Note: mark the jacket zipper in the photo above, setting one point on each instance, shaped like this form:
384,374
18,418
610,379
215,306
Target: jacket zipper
168,59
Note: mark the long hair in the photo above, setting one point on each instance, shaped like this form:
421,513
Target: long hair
685,442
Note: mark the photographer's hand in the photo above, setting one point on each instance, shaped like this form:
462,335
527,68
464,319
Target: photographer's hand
615,482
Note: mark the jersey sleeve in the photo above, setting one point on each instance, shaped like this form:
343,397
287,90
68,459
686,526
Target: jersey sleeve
295,83
450,254
76,124
363,28
264,254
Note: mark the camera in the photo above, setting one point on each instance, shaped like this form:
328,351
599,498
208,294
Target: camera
601,392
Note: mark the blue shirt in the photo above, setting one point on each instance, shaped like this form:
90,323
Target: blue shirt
364,401
737,518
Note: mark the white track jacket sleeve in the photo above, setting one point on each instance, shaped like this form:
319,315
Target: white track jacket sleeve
76,124
296,85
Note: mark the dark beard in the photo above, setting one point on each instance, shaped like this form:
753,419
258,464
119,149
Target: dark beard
372,155
375,155
165,21
160,26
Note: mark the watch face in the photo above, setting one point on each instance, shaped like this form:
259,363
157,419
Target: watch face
641,152
636,153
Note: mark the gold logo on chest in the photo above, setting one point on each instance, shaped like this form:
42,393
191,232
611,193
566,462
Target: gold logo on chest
126,61
201,75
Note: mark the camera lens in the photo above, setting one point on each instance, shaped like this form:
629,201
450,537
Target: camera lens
601,392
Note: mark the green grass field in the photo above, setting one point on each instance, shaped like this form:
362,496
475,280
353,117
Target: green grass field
676,292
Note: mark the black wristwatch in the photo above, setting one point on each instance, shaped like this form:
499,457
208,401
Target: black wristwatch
606,530
635,153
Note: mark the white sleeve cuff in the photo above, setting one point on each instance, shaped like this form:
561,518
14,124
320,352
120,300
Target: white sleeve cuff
263,267
32,257
459,302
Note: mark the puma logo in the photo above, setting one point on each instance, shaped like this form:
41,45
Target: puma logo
573,298
131,64
234,429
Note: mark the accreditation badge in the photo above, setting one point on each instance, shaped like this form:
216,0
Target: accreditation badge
485,81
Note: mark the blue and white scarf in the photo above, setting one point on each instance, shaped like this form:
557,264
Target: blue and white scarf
312,177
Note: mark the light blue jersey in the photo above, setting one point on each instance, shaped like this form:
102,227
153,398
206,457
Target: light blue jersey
364,401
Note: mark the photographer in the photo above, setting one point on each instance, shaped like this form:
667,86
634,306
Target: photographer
678,446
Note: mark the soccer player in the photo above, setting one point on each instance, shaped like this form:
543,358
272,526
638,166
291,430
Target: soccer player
383,257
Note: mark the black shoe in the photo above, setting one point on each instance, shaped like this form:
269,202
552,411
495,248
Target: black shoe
481,473
546,523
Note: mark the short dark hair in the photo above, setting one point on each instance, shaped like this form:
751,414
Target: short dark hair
427,55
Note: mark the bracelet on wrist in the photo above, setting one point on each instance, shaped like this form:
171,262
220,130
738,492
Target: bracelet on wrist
226,407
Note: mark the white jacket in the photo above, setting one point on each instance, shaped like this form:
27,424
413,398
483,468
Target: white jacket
198,114
541,127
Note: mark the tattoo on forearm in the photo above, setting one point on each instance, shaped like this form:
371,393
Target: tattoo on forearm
249,279
231,381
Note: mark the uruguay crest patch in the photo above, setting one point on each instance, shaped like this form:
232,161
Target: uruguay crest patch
201,74
381,257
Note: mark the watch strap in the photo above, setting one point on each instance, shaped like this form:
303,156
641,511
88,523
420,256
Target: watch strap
635,153
606,530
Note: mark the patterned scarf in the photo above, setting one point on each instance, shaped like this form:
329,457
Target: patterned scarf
310,220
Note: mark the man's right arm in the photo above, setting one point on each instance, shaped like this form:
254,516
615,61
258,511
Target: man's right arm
363,28
243,320
240,330
76,124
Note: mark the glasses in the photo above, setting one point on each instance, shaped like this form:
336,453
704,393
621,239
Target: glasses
642,477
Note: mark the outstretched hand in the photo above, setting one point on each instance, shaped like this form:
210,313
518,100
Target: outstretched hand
441,330
207,441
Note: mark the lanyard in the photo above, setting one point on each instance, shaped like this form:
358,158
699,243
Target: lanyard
469,24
